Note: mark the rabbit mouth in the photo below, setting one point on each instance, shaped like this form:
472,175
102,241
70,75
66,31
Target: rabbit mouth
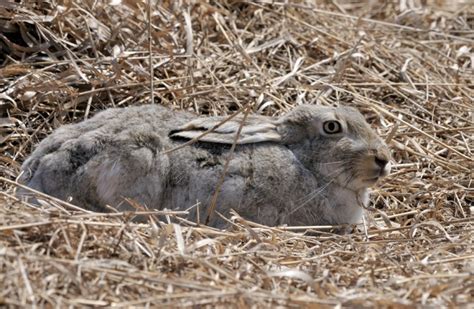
376,174
372,180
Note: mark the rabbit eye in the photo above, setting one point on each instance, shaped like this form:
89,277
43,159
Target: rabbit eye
332,127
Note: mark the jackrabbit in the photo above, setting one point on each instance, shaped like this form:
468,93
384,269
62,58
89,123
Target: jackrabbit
311,166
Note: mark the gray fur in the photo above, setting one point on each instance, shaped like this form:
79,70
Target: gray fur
284,171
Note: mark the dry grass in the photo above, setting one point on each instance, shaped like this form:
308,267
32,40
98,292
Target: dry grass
408,69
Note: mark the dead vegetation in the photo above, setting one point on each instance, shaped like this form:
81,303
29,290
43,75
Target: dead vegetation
408,68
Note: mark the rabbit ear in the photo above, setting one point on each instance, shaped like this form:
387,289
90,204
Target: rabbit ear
300,124
256,129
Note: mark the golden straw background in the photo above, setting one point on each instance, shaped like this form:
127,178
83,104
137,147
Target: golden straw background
408,66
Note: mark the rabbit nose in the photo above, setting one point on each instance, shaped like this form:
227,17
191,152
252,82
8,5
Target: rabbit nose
381,162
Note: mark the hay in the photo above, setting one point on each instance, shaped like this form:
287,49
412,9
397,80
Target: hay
408,68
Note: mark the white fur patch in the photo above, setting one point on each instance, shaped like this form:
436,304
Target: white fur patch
347,205
387,169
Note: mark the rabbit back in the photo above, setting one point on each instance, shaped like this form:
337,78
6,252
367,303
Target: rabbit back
100,161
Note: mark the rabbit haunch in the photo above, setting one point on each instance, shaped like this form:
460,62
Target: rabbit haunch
311,166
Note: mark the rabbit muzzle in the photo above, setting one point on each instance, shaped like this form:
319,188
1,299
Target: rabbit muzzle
376,166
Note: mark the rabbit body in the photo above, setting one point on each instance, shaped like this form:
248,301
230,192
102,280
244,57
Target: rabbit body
283,171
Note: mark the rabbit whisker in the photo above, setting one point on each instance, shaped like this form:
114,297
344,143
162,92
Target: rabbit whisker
309,197
334,162
347,180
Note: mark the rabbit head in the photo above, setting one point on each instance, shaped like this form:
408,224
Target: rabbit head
336,144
